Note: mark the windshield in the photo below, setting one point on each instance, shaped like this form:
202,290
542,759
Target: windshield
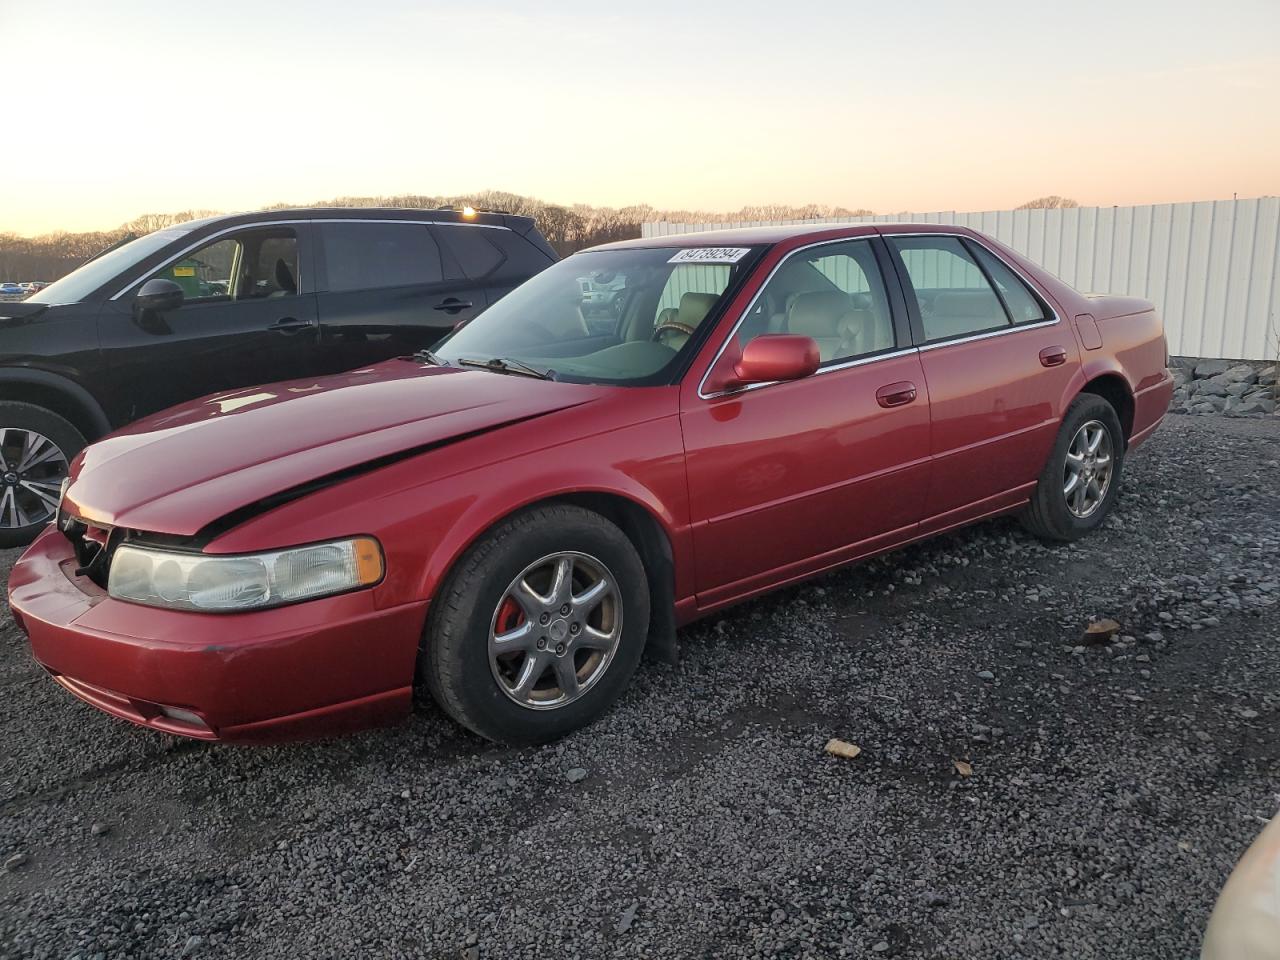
605,316
82,281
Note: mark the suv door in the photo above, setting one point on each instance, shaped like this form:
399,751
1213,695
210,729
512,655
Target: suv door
385,292
248,317
788,478
998,364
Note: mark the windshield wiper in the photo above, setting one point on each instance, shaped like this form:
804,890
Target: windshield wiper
507,365
426,356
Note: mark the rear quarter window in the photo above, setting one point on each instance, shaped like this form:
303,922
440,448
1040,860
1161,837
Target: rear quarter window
1024,306
521,257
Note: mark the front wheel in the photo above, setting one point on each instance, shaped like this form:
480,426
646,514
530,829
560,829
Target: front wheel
36,450
1079,483
539,627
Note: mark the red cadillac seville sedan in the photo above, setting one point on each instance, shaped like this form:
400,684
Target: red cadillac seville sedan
507,521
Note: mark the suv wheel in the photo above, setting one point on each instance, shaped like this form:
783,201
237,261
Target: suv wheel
1079,483
36,449
539,627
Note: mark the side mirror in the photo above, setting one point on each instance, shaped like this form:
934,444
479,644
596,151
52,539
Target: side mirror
776,356
157,295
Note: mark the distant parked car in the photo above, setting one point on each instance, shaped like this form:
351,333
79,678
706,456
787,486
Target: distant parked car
508,520
604,294
9,289
227,302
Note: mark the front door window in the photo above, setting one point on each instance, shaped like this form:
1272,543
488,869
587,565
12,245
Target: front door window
252,265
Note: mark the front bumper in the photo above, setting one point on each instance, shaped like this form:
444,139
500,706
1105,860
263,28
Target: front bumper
312,669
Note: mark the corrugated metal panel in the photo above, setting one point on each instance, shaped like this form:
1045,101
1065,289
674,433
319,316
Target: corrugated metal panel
1211,267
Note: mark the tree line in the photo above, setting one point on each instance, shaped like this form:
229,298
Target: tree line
567,228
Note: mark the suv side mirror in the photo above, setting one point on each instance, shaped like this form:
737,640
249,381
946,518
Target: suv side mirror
157,295
777,356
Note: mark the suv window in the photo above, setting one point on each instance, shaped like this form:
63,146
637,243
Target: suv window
275,271
249,265
520,256
954,296
833,293
1024,306
474,253
365,255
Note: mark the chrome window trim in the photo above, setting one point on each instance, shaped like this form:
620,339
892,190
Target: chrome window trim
285,223
901,352
987,334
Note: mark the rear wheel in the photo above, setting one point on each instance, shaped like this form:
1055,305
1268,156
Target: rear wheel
36,450
539,627
1080,481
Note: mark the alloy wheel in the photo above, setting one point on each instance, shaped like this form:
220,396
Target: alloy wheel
555,630
32,468
1088,470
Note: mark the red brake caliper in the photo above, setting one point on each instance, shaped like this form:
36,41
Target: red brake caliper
510,616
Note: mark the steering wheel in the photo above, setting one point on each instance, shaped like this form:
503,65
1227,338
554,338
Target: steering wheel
667,327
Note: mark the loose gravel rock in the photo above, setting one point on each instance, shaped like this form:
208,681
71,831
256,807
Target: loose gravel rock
1112,789
1231,388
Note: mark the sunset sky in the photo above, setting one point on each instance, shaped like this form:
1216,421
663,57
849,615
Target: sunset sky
121,108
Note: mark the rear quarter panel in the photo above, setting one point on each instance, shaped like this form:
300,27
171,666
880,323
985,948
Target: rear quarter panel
1133,347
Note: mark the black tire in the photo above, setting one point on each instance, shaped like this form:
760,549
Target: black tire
59,431
455,663
1048,516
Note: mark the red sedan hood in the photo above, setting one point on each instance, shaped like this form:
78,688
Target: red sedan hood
180,470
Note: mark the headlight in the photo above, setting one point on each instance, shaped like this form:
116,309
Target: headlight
196,581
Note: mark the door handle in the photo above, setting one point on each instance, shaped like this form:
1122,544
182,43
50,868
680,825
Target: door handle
896,394
452,305
291,325
1053,356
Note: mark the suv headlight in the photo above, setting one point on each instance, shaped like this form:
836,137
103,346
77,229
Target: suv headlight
197,581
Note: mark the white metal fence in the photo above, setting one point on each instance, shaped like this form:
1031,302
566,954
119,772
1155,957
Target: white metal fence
1212,267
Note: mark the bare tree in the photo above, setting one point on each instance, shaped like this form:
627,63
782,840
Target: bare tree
567,228
1051,202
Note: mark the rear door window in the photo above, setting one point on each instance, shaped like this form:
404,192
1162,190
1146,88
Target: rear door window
370,255
953,294
475,254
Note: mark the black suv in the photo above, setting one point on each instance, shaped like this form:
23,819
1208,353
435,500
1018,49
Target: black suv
229,302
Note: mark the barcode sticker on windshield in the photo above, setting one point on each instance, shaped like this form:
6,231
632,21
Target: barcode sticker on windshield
710,255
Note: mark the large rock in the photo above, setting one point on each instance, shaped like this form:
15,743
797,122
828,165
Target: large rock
1238,389
1267,376
1212,368
1254,406
1215,386
1242,373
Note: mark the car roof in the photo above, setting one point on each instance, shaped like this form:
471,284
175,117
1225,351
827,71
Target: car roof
357,213
752,236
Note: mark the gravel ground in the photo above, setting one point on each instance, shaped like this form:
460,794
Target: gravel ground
1112,787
